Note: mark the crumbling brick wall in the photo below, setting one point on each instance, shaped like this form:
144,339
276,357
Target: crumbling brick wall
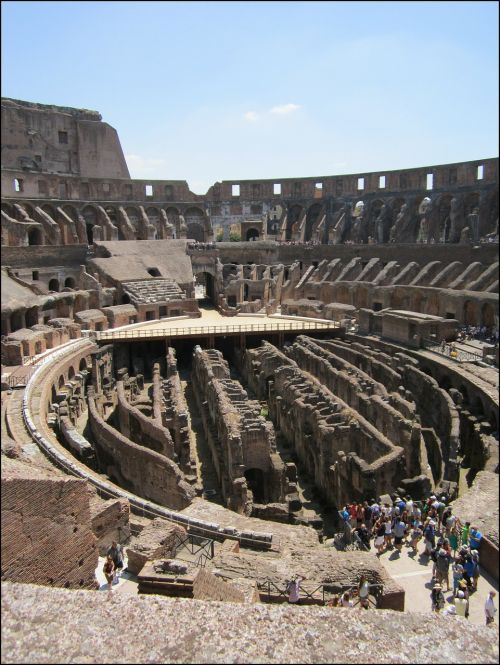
47,534
207,586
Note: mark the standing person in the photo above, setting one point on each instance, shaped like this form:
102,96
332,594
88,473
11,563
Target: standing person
462,605
475,538
109,569
489,608
458,571
388,533
429,537
363,592
379,530
465,534
116,553
453,540
475,571
443,568
293,588
346,600
416,536
437,598
399,530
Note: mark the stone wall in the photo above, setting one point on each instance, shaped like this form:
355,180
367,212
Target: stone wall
47,535
207,586
146,472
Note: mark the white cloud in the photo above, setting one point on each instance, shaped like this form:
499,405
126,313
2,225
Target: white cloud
144,167
285,108
250,116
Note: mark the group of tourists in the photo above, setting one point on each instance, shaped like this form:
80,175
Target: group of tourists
452,546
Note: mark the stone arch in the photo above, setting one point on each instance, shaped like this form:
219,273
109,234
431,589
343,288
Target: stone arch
465,393
441,231
312,216
7,209
445,382
374,211
31,317
125,299
50,210
471,201
71,212
71,373
89,214
69,282
61,382
196,231
487,315
133,216
252,234
16,321
197,224
35,236
173,216
470,313
293,216
28,209
54,284
256,482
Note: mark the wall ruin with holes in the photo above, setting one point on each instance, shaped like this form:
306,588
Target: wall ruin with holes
46,529
242,442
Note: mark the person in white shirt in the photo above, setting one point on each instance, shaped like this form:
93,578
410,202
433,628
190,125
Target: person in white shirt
461,605
346,600
489,608
293,589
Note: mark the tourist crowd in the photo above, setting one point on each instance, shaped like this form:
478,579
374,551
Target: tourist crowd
453,546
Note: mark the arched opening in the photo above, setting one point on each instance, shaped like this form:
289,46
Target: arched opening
443,219
31,317
38,348
71,373
245,292
54,284
83,365
133,216
90,217
470,317
125,299
487,315
252,234
69,282
61,382
35,237
204,288
465,394
292,218
90,235
255,481
311,219
195,232
53,395
445,383
16,321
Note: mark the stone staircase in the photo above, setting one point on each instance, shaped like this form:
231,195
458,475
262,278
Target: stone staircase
153,291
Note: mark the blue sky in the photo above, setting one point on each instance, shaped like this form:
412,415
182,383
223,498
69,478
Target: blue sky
207,91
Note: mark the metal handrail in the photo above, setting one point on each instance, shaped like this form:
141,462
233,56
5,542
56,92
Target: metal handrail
279,326
462,356
375,591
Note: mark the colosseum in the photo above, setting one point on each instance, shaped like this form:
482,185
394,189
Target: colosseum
209,379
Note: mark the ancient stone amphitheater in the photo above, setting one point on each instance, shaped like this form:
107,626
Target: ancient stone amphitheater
210,378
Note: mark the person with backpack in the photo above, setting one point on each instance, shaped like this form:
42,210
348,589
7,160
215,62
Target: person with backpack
116,553
429,537
443,560
399,530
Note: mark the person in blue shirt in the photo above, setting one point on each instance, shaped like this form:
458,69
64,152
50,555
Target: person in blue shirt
475,538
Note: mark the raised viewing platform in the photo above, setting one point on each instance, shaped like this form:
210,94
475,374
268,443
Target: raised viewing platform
214,324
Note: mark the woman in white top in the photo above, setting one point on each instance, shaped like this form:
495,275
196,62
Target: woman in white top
346,600
363,591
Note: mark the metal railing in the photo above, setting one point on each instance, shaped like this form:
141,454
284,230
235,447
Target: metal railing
194,545
457,354
278,326
323,593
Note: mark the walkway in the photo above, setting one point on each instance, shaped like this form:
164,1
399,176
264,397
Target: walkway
414,573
